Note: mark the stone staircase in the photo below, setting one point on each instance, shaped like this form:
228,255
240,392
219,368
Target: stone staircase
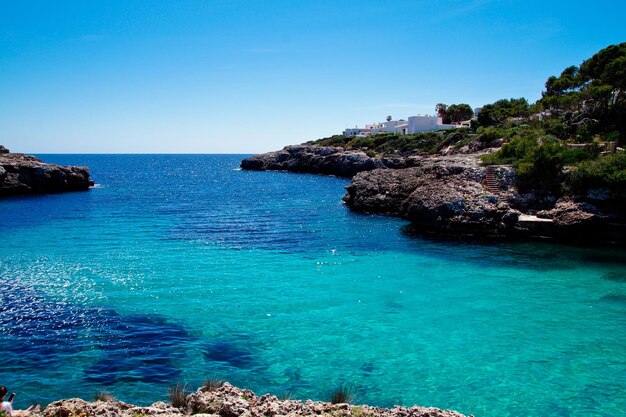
490,180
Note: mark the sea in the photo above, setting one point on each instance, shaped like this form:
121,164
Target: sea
182,268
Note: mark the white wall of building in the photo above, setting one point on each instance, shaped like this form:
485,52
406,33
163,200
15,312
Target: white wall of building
419,124
415,124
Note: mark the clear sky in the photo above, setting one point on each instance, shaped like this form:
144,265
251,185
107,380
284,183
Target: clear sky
242,76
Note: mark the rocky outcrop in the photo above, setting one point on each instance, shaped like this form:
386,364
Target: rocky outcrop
229,401
451,195
441,193
25,174
327,160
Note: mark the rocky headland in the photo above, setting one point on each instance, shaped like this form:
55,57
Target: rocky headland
229,401
25,174
325,160
453,194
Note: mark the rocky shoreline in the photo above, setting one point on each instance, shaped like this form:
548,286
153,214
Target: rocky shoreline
25,174
226,400
452,194
325,160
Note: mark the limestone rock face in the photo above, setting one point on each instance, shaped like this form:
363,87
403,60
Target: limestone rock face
25,174
441,193
578,220
327,160
230,401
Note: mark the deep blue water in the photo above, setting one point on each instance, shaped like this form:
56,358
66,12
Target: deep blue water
182,268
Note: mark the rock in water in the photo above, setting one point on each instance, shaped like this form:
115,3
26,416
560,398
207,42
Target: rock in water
443,193
25,174
326,160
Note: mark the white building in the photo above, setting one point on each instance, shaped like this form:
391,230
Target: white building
414,124
426,123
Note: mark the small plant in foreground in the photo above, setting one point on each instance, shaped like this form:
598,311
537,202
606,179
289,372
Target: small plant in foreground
284,396
212,384
178,395
103,396
343,394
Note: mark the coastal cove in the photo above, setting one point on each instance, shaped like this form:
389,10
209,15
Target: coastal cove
182,267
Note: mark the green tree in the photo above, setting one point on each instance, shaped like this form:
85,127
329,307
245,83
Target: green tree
594,94
460,112
454,112
497,113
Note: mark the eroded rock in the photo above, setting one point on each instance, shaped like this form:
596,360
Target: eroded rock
230,401
441,193
25,174
326,160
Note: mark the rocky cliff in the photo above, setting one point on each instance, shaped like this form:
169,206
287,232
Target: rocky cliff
229,401
450,194
25,174
327,160
442,193
456,195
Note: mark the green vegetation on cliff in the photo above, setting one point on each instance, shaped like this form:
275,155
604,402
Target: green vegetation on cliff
582,123
563,143
389,144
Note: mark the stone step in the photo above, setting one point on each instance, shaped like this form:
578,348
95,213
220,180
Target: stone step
490,180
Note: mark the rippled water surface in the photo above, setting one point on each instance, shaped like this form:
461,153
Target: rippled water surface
180,268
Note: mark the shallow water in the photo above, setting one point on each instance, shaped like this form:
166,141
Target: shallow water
181,267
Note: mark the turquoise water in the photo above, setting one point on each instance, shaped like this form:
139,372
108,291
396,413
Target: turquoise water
180,267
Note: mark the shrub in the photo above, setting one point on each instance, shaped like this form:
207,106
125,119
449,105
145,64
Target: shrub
285,395
103,396
604,172
178,395
555,126
541,169
539,160
572,156
343,394
335,140
212,384
490,134
359,143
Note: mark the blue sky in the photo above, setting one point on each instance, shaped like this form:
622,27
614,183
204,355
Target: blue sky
250,76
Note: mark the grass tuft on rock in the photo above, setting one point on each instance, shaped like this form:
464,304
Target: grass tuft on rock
342,395
285,396
212,384
178,395
103,396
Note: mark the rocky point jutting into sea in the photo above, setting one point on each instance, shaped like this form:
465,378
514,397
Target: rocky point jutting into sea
229,401
452,194
26,174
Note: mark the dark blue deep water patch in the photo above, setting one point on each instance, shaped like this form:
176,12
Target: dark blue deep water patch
179,268
40,333
230,353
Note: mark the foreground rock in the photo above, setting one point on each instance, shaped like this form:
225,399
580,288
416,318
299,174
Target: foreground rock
229,401
327,160
25,174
